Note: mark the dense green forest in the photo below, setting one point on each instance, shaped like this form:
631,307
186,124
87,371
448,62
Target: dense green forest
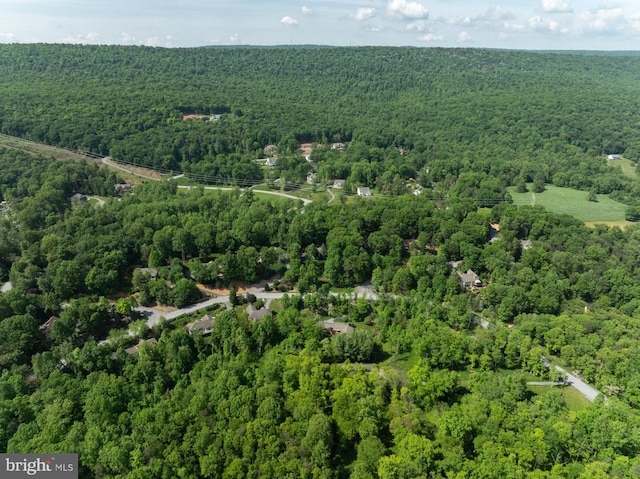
432,380
508,115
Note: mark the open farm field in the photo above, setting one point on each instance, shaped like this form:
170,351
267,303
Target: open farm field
572,202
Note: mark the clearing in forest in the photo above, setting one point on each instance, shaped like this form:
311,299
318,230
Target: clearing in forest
628,167
39,149
572,202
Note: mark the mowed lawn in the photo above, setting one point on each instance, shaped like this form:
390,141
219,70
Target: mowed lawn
572,202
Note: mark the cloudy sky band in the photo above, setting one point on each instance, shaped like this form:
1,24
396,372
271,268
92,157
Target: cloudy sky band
521,24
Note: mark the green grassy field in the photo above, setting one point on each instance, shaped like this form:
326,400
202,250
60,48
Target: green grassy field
274,199
400,364
572,397
572,202
503,373
627,166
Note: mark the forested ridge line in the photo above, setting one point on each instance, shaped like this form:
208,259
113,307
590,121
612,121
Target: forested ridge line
509,115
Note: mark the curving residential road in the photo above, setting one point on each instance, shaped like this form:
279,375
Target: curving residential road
100,201
305,201
153,315
574,381
107,161
333,197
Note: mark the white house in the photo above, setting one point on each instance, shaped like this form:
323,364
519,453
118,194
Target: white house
364,191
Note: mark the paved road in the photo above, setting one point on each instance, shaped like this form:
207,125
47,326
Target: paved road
333,197
100,201
587,391
285,195
366,291
153,315
107,161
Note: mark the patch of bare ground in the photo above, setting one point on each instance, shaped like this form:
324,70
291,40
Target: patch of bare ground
194,117
39,149
241,287
622,224
144,172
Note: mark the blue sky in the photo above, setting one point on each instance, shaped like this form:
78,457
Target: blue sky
514,24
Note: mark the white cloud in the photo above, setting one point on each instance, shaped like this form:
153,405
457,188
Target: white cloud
7,37
494,18
540,24
430,37
235,38
459,21
556,6
417,26
498,13
127,39
601,21
514,27
634,21
305,10
364,14
90,37
171,40
291,22
464,37
405,9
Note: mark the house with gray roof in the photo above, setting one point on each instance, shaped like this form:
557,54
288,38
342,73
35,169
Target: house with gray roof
334,327
468,279
257,314
134,349
202,326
